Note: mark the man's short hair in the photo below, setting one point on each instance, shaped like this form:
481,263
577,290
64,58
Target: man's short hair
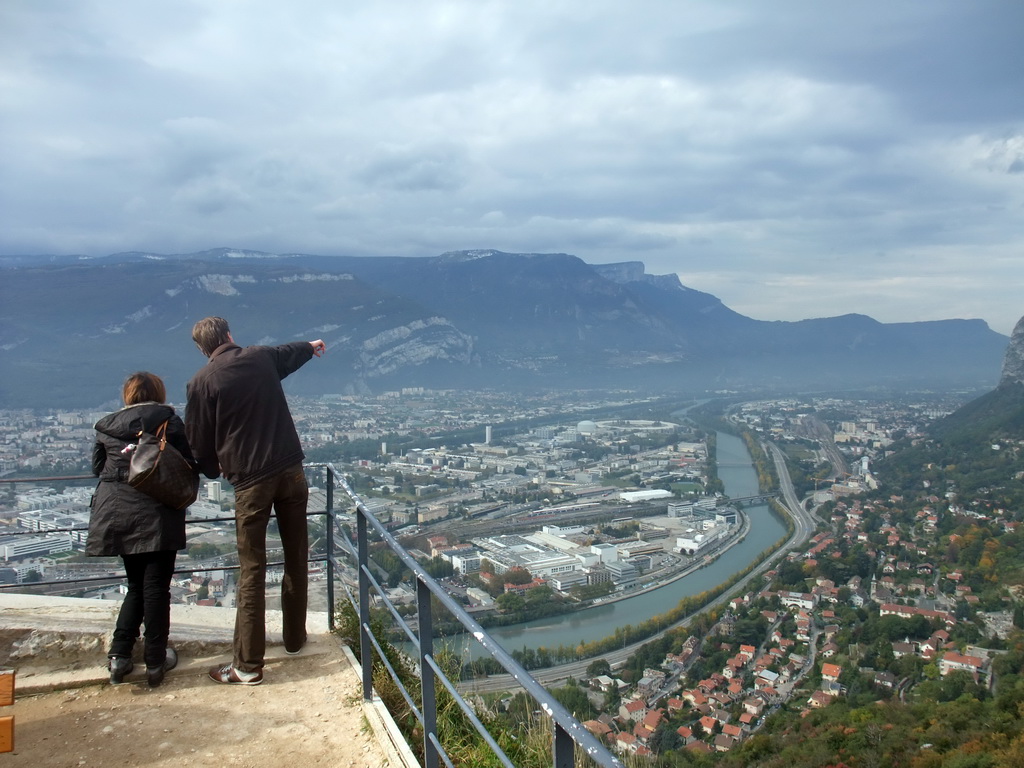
209,333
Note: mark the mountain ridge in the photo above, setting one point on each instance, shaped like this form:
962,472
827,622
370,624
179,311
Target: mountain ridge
461,319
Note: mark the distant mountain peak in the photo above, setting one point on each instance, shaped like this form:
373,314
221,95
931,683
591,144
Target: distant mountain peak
471,255
208,255
490,253
636,272
1013,361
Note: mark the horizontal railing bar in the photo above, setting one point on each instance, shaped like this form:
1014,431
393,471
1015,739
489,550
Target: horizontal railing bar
351,548
348,592
47,532
382,595
394,674
56,479
391,607
82,580
470,713
85,528
121,577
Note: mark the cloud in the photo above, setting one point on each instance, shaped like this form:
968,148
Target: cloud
414,169
765,152
208,196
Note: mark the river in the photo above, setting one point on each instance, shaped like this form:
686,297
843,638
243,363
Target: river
740,479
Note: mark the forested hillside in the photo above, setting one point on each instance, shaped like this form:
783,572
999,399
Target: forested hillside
965,477
974,453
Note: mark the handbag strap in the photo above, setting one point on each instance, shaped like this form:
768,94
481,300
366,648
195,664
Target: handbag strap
160,433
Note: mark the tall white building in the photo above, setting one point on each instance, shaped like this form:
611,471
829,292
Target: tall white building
215,491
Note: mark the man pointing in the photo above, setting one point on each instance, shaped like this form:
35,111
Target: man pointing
238,424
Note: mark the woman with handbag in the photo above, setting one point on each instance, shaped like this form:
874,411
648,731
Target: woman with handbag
145,533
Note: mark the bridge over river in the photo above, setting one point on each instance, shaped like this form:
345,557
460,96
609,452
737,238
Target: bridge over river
762,498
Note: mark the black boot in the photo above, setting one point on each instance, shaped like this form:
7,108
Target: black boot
156,674
120,667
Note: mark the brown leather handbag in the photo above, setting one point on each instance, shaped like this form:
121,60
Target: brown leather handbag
159,470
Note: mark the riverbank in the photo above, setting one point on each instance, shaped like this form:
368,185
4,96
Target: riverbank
724,571
741,532
596,622
693,567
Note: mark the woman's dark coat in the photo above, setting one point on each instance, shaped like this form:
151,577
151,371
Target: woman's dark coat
125,521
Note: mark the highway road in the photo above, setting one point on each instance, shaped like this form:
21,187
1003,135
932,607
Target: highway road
804,521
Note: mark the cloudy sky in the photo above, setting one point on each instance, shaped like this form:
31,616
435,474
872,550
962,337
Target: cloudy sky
795,159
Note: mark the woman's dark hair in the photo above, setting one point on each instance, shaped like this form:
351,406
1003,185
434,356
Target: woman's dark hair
144,387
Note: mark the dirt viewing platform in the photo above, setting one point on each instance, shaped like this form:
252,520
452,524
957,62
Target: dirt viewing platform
308,711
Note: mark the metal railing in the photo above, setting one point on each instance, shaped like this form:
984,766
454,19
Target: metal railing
114,577
568,734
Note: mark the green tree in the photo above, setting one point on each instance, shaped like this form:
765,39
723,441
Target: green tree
575,699
517,576
439,568
201,550
612,699
665,738
511,602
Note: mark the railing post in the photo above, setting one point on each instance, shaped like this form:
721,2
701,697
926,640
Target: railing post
427,683
562,748
365,646
329,522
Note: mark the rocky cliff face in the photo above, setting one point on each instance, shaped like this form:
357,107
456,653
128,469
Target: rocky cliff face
1013,362
417,343
634,272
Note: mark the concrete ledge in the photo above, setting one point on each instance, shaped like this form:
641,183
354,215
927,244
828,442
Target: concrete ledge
61,642
385,729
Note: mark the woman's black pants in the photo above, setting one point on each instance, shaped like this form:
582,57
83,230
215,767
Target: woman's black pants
148,602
